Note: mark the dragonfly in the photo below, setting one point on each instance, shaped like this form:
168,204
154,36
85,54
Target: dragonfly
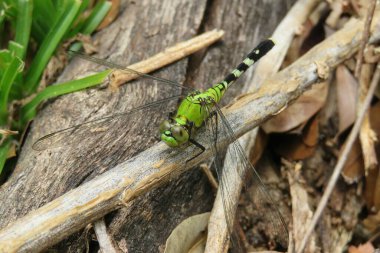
198,110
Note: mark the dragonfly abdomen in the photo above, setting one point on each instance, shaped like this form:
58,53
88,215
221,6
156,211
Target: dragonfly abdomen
258,52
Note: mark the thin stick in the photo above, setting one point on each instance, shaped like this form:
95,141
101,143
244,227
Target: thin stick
168,56
342,159
206,169
366,33
362,73
367,135
104,239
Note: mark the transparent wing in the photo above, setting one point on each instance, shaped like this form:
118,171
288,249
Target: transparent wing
92,128
96,128
125,69
236,164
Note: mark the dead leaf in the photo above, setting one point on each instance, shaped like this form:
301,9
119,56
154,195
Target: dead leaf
111,15
259,147
360,7
347,89
364,248
8,132
353,169
372,222
299,112
189,236
372,190
298,147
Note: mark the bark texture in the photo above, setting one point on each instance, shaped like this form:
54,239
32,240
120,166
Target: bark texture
143,28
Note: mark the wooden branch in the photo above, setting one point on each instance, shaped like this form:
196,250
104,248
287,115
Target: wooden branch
367,136
218,238
170,55
158,164
363,74
106,242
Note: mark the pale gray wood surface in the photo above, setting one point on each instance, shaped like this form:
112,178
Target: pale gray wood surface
142,29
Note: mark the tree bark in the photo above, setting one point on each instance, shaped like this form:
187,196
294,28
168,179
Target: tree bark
143,28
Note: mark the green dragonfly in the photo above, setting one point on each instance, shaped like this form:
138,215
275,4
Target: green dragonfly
196,109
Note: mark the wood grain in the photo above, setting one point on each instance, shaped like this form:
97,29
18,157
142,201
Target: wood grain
143,28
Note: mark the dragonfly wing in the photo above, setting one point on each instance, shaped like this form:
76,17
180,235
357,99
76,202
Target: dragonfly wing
237,168
92,128
127,70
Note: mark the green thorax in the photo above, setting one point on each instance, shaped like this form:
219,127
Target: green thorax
196,107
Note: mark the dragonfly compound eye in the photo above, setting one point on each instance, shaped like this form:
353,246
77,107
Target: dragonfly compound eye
180,134
165,126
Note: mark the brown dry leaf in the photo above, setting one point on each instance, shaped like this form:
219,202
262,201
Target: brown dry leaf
364,248
7,132
347,88
372,222
376,195
299,112
260,145
53,68
298,147
307,36
360,7
111,15
374,190
353,169
370,190
189,236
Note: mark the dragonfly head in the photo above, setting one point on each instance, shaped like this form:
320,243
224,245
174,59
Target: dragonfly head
173,133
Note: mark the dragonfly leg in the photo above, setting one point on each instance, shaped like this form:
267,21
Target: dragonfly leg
198,145
194,142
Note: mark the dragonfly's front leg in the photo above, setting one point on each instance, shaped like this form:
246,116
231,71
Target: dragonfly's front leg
194,142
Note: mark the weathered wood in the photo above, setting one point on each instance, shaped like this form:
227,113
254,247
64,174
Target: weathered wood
218,234
160,164
143,29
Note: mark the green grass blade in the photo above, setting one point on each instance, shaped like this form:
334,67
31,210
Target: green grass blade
48,46
92,22
5,59
44,14
16,48
23,25
96,17
4,150
2,16
6,82
29,110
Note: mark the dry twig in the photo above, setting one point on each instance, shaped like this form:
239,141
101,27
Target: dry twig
342,159
363,73
104,239
170,55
